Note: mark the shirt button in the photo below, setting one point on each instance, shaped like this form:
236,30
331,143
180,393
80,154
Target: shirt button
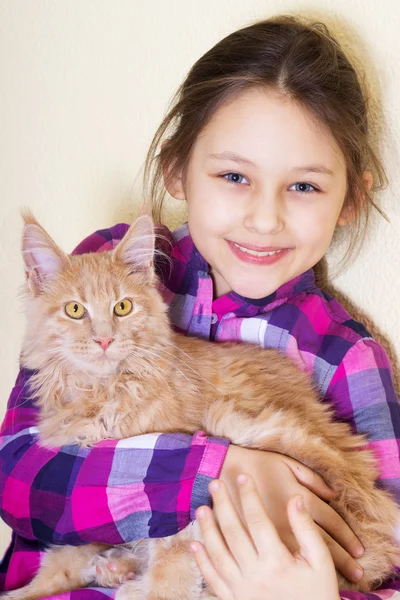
214,319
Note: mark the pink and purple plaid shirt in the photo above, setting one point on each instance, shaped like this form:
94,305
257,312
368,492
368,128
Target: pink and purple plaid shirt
150,485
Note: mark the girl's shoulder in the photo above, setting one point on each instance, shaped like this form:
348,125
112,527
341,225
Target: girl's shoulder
318,333
328,316
317,327
102,239
106,239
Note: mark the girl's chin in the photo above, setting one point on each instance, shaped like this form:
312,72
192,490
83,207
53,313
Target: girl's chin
252,289
247,287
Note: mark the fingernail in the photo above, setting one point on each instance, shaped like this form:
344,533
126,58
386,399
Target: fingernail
300,503
360,551
241,479
358,573
194,548
200,513
214,486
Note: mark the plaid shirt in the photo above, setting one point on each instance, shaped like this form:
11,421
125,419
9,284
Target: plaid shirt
150,485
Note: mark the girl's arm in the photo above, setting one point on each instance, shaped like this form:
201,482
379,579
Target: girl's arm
364,384
146,486
114,492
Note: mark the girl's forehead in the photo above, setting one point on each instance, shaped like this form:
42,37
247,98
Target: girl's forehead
264,127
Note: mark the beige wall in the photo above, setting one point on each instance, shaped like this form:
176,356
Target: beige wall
83,85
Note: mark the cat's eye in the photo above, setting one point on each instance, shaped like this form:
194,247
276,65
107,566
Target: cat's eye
123,307
75,310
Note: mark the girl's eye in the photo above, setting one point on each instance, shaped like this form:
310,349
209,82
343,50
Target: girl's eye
123,307
75,310
235,178
305,185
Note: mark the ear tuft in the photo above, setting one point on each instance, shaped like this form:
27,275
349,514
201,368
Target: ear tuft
136,249
42,257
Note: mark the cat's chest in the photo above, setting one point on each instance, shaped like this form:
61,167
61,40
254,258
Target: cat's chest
116,411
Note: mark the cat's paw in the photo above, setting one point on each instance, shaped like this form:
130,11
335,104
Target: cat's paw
114,567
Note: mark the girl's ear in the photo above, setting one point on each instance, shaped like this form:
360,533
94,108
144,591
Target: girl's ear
348,213
173,183
42,257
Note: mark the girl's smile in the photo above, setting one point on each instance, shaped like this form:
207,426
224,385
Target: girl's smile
257,255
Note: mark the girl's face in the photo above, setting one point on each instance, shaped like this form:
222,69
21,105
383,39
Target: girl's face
265,187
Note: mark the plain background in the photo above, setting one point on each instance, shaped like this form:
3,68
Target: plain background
83,86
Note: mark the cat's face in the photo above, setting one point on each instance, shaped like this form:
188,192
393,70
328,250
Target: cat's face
97,313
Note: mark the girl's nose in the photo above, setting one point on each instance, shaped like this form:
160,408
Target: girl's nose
264,216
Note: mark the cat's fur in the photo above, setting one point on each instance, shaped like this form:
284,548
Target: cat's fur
151,379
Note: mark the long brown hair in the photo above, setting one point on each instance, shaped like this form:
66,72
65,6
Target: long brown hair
300,60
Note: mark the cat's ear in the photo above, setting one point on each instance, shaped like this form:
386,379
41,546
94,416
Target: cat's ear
42,257
136,249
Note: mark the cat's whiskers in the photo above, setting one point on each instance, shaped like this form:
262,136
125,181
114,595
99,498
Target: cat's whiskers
180,349
48,352
169,362
33,343
171,345
154,372
53,372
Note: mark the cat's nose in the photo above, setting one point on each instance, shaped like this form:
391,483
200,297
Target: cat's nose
104,342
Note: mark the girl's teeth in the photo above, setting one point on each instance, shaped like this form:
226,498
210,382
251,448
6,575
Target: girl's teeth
256,253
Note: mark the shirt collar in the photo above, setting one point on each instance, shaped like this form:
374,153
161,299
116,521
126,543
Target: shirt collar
196,263
299,285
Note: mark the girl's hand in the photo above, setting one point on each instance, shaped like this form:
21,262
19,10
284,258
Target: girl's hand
250,562
279,478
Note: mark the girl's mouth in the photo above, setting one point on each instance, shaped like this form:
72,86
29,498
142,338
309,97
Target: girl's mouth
256,255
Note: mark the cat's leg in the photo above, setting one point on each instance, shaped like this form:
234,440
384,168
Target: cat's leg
119,564
172,573
64,568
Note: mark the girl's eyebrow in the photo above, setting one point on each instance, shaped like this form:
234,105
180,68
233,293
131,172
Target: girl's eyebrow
317,168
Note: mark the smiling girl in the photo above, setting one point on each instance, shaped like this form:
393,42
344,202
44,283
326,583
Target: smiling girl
267,143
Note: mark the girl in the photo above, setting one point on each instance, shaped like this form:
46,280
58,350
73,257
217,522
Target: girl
267,143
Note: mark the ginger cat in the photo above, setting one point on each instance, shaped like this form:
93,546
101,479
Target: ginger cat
109,365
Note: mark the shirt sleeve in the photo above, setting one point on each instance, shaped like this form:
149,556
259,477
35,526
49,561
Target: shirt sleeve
363,389
113,492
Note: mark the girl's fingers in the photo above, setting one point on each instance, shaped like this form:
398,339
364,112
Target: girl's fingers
210,574
331,522
317,546
311,480
236,537
220,556
260,526
342,560
312,546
